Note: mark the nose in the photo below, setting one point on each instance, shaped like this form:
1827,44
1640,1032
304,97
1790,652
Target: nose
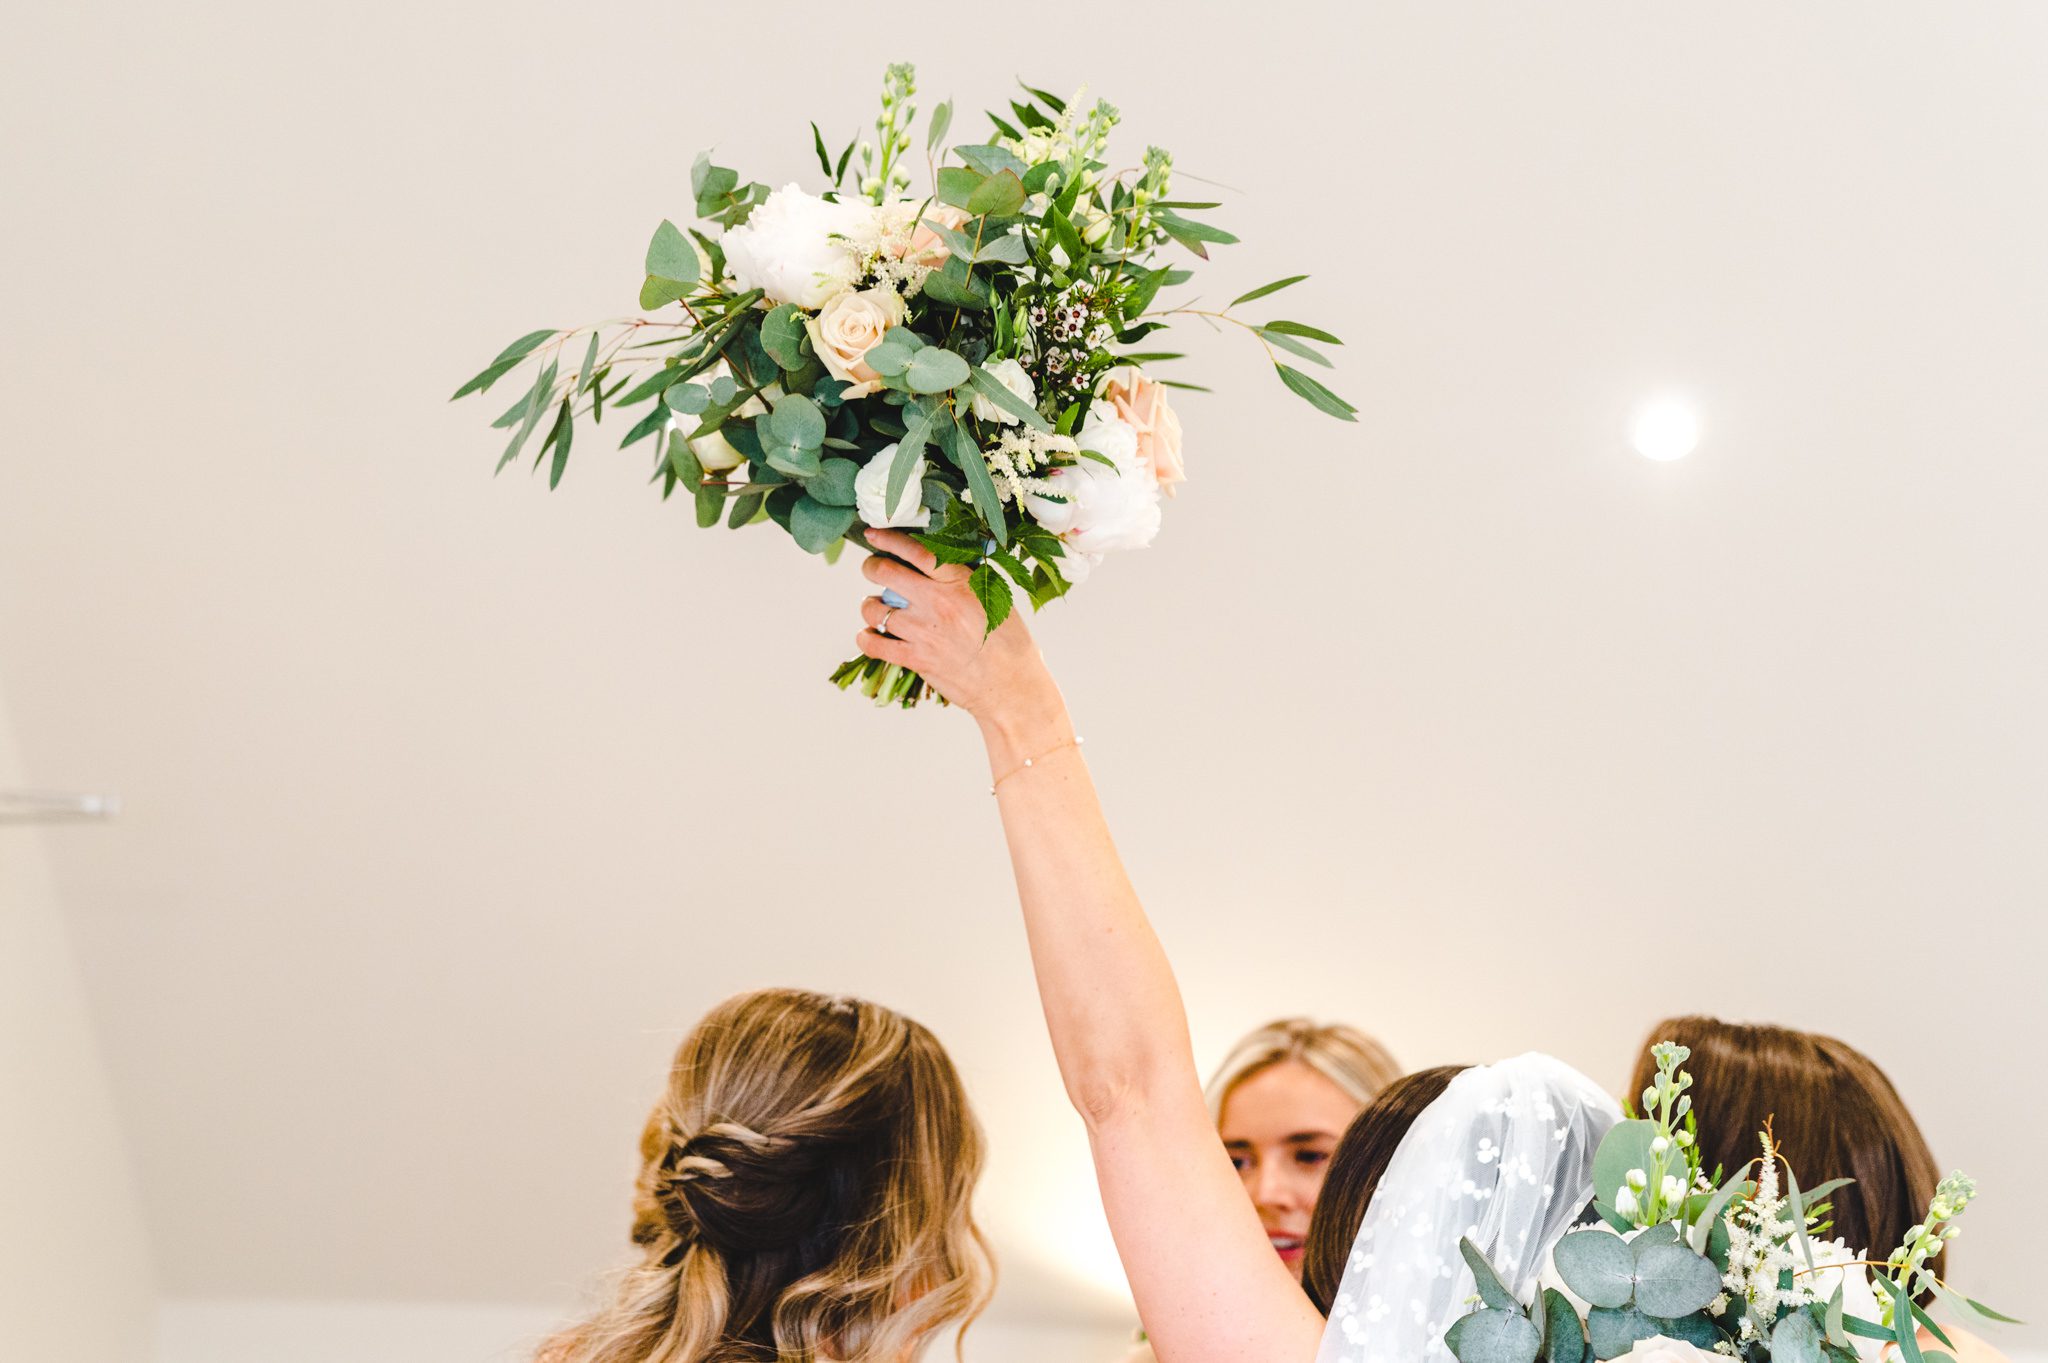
1271,1186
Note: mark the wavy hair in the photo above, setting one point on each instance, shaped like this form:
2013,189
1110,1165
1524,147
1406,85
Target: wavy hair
804,1195
1345,1056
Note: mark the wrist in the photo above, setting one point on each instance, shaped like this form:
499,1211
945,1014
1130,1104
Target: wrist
1026,716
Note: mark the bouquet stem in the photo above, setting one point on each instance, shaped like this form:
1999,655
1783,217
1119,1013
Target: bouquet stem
883,683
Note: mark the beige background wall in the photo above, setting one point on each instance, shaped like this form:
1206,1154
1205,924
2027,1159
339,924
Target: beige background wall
452,802
76,1277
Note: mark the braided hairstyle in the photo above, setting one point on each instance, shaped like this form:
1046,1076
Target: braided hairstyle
804,1195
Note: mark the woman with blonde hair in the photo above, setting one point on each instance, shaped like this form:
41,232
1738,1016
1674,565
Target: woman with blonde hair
804,1195
1282,1099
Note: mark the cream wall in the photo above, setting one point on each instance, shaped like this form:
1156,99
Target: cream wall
76,1279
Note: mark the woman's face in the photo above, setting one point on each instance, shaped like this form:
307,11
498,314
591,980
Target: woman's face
1280,1127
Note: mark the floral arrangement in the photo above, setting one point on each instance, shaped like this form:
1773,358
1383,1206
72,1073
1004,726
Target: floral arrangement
961,362
1687,1271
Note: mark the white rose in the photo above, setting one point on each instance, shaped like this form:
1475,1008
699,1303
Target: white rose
871,491
792,249
1837,1266
1101,509
1011,375
849,327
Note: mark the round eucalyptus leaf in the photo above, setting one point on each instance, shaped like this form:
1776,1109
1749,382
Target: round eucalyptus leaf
783,336
687,398
797,422
1796,1339
1494,1336
890,356
1613,1333
935,370
1673,1281
1599,1266
834,484
1626,1146
814,525
723,389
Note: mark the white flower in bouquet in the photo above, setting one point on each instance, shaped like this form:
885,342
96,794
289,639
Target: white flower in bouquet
847,329
795,248
871,493
1099,509
1663,1350
1011,375
1839,1266
713,452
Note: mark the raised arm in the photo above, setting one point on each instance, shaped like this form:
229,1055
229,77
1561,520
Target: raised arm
1208,1285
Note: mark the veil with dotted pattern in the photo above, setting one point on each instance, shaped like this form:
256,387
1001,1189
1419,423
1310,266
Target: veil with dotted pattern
1505,1156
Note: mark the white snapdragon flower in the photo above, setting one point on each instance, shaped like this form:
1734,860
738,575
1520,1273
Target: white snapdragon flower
871,493
798,249
1011,375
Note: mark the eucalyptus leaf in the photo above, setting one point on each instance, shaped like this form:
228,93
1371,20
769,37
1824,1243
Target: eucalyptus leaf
1005,249
1613,1333
834,484
1796,1339
990,159
1324,401
565,427
1564,1338
1672,1281
1598,1265
690,399
1492,1290
813,524
1695,1329
909,450
1265,289
1296,347
784,338
797,421
1304,330
683,459
942,119
990,387
710,498
670,255
956,185
1494,1336
1703,1228
935,370
1001,193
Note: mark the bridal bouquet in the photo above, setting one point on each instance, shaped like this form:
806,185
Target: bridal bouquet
961,359
1685,1271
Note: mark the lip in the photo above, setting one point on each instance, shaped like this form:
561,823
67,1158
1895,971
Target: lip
1288,1246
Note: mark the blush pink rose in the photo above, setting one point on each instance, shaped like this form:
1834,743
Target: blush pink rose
927,247
1140,401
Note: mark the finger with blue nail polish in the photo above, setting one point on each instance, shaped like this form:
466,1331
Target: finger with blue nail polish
894,599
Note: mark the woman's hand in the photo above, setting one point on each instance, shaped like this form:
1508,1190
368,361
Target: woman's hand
941,633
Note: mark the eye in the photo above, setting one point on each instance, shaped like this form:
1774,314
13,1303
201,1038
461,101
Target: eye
1311,1159
1240,1162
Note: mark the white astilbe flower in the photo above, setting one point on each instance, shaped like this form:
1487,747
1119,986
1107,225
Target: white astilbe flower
1019,457
1760,1234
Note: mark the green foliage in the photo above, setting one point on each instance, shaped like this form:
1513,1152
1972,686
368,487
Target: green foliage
784,338
1494,1336
934,370
1597,1265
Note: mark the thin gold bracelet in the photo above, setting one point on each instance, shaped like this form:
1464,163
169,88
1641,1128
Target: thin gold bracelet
1075,742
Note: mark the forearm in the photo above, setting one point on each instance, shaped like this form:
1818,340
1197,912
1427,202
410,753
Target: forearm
1118,1026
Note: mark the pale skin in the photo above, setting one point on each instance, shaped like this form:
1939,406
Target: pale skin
1280,1125
1216,1295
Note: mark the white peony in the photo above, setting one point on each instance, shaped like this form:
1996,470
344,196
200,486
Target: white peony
1011,375
1837,1267
1101,509
871,491
794,249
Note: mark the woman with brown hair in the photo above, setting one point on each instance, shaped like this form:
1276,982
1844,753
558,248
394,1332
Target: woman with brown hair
1832,1113
804,1195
